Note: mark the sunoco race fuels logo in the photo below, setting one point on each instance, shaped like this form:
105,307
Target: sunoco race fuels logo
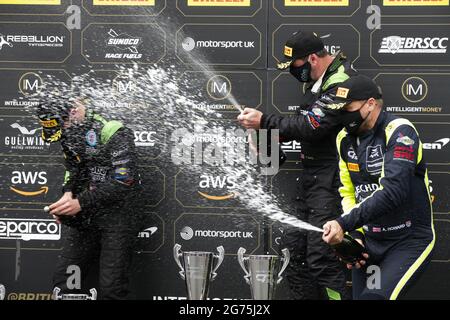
123,42
29,229
397,44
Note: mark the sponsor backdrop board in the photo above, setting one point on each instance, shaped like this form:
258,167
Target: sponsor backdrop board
221,50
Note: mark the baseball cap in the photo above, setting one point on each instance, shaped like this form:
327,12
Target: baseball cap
359,87
51,117
300,45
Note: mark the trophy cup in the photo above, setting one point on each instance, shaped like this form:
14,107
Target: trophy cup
197,270
2,292
73,296
264,272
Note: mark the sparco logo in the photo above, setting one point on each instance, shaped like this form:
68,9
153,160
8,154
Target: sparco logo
397,44
32,40
190,44
29,229
437,145
187,233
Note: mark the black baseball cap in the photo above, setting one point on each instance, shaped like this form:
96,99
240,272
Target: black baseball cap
359,87
52,116
300,45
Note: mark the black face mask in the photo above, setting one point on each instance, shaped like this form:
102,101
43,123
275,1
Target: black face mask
353,120
303,73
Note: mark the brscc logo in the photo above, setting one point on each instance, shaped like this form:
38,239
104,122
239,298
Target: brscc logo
144,138
397,44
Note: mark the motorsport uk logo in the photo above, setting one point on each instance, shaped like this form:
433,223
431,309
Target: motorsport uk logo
29,229
187,233
190,44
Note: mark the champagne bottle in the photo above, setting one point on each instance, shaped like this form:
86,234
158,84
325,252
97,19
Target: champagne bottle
349,250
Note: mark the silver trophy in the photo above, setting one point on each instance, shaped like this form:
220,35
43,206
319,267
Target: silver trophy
74,296
2,292
264,272
197,270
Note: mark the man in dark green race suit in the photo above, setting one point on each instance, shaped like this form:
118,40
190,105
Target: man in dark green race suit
314,271
101,194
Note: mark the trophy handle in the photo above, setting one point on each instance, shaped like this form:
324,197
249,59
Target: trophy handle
286,258
56,292
241,258
177,254
93,294
2,292
220,258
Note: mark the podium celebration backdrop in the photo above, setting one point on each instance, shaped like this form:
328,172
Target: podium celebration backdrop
408,54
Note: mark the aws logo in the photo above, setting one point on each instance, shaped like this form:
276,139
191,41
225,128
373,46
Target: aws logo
29,178
217,184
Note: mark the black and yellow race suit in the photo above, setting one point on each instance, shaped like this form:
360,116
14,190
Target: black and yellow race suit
386,197
102,173
314,271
